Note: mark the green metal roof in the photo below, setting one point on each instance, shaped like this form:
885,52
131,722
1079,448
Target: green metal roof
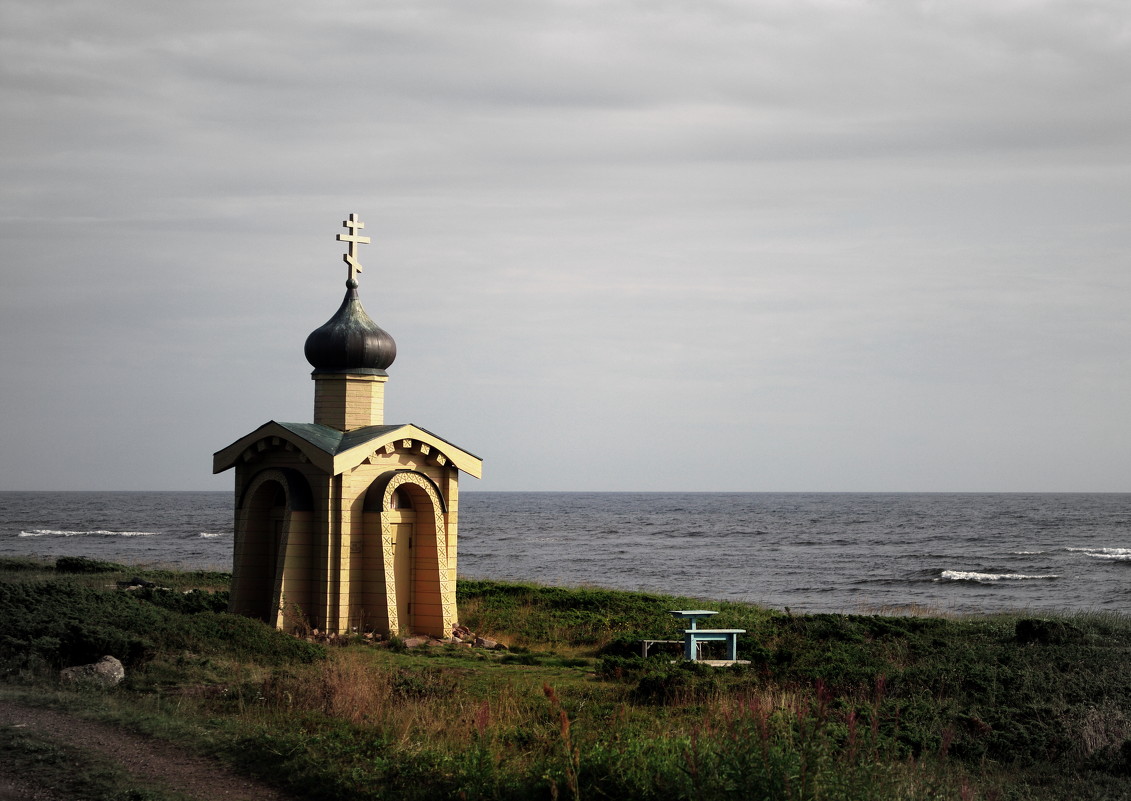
333,441
342,450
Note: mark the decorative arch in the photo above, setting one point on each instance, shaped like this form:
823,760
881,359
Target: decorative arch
380,493
433,602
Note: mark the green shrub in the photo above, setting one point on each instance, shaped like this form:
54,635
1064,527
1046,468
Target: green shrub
80,564
666,683
187,603
21,564
1047,632
60,623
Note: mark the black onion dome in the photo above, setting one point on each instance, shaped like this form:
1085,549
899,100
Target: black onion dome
350,342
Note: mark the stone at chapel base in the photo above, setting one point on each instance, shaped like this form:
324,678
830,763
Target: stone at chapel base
106,672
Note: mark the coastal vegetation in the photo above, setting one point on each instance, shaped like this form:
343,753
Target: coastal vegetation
828,707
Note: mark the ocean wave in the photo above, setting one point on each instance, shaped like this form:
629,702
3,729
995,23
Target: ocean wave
211,535
1113,557
969,575
1114,554
50,532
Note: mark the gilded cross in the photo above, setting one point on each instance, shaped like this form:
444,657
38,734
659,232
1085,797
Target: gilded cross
354,240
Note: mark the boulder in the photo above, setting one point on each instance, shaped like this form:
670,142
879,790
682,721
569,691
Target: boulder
413,642
486,642
106,672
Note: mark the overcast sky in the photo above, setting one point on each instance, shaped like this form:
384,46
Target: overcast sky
812,245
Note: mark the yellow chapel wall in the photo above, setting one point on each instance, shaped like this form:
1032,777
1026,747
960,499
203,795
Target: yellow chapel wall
363,597
331,572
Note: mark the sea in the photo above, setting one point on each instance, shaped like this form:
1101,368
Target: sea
867,553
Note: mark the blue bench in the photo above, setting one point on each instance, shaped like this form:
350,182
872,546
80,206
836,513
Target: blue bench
694,636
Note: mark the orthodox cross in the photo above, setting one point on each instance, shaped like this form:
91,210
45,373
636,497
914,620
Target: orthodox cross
354,240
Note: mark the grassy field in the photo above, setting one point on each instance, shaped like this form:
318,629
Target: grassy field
830,706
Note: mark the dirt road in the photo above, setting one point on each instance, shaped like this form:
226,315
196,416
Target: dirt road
153,763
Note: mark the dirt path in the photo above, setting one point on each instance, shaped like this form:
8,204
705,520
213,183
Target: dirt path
152,762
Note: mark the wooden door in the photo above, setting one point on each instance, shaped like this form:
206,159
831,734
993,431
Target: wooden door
403,568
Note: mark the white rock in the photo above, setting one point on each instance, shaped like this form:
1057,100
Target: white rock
107,672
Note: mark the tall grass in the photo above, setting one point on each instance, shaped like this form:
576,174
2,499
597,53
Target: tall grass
830,706
768,742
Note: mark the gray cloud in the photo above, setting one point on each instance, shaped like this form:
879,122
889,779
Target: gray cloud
843,246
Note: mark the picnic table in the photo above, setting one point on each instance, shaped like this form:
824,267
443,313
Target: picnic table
695,636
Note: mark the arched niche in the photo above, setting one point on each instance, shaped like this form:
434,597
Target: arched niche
272,566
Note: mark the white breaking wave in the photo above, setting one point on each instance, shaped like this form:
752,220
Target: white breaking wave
50,532
967,575
1028,553
1117,554
208,535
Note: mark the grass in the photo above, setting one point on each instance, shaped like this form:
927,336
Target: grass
830,706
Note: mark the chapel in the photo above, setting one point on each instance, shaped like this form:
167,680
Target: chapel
347,524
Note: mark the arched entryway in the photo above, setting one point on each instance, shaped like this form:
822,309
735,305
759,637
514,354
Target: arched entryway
404,579
271,566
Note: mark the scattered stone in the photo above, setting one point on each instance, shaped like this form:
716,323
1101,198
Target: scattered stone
107,672
462,633
486,642
413,642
